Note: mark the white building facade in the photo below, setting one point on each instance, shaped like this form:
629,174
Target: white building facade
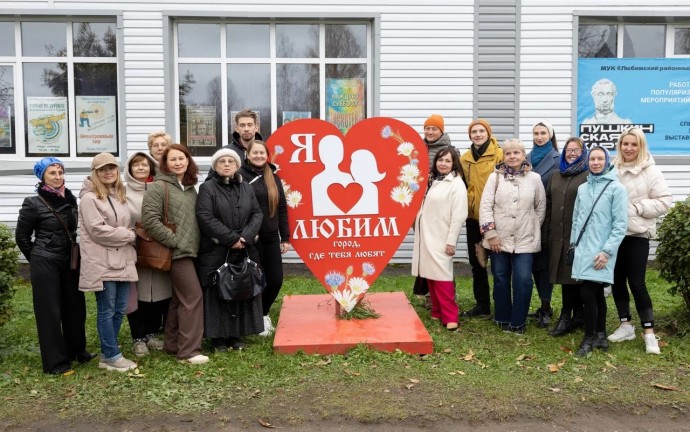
133,67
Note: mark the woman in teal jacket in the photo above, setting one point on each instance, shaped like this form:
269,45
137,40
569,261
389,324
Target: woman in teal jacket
595,253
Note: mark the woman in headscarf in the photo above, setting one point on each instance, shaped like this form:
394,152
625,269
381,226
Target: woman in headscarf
560,204
599,224
59,307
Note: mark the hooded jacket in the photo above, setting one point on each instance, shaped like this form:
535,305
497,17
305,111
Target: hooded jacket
477,172
516,207
106,240
604,231
547,166
648,196
181,207
153,285
434,147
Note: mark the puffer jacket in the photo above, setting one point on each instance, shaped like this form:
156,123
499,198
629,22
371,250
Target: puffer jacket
181,206
648,196
477,172
434,147
438,224
604,231
107,240
153,285
516,207
278,224
50,239
225,212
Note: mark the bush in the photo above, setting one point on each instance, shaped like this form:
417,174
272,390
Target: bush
673,253
9,265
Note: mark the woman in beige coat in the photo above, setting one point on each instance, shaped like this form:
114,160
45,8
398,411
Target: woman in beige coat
437,228
510,216
153,290
108,257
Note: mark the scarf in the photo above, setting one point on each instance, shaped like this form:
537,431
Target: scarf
59,191
510,173
539,152
578,165
479,152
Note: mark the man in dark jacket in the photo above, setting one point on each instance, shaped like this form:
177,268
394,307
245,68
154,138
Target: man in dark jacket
246,131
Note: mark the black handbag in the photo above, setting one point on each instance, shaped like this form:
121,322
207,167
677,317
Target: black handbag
238,281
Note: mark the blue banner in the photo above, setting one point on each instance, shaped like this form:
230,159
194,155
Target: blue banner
652,94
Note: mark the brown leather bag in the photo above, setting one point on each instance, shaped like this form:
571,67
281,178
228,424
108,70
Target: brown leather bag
150,252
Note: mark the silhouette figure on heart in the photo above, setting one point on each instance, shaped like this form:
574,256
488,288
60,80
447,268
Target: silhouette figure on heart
365,171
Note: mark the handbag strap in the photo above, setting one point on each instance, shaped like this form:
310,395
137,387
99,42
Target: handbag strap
582,231
62,222
165,205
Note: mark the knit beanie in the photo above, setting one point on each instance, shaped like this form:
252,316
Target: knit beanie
41,166
482,122
547,125
225,152
435,120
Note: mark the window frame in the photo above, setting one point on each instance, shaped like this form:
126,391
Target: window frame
371,23
68,17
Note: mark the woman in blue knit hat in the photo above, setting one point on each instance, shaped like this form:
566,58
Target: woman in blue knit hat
50,217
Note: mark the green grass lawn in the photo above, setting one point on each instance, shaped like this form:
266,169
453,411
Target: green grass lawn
476,373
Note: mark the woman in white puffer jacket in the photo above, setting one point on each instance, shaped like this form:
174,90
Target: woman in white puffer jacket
648,198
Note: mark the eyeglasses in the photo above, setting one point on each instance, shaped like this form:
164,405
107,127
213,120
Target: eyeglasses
573,151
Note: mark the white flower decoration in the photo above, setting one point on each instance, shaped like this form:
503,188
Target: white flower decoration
286,187
358,285
405,148
293,198
402,195
409,173
346,299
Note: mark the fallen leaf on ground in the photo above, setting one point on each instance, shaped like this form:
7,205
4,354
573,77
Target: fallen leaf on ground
469,356
324,362
409,386
266,424
566,349
553,368
555,389
665,387
578,379
520,357
447,350
610,365
414,380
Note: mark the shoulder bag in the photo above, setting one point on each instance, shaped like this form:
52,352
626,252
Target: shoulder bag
238,281
480,251
151,253
570,257
75,254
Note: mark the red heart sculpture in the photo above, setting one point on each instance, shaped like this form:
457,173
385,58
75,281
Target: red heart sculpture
345,197
351,199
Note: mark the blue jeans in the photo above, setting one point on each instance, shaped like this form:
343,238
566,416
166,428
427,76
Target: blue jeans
516,270
111,304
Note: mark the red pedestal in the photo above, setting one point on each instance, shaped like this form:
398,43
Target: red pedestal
308,323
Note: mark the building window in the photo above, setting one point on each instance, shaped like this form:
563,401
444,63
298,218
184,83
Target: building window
281,70
68,101
681,41
632,40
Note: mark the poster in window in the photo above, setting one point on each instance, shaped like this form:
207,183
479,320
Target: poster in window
47,124
344,102
96,124
5,126
289,116
614,94
201,126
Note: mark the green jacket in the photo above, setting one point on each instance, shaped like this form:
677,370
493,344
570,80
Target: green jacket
181,211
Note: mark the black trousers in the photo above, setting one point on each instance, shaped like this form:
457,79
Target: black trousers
594,307
271,260
149,318
60,311
572,302
630,271
480,277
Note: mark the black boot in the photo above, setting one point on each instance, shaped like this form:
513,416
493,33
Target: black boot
563,326
544,317
586,346
578,319
601,342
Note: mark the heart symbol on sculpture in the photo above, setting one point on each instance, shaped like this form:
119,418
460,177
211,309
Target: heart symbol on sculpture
351,199
345,197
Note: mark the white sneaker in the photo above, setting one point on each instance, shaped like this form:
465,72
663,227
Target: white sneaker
119,365
196,360
651,343
625,332
268,327
140,349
